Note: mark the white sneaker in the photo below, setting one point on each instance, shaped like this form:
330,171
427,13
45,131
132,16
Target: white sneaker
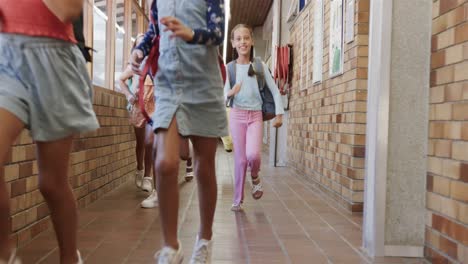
151,201
80,260
168,255
202,252
147,184
13,259
139,177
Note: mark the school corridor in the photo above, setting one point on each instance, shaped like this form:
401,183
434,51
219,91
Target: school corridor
292,223
369,166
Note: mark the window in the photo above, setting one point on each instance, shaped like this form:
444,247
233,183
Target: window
119,38
99,42
110,27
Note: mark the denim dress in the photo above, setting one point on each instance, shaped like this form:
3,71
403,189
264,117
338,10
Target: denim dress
188,83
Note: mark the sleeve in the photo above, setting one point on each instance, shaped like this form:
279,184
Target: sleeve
274,90
214,33
153,30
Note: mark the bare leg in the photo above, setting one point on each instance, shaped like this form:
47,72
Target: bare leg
227,140
53,158
184,149
10,128
140,146
167,169
205,151
185,155
149,138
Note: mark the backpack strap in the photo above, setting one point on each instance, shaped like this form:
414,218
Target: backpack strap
79,36
260,72
222,68
231,67
151,71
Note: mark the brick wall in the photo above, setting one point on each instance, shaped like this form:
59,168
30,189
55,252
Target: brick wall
100,161
328,120
447,178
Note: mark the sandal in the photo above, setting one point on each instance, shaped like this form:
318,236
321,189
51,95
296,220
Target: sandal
257,189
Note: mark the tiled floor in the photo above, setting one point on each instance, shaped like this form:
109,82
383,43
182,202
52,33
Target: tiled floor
292,223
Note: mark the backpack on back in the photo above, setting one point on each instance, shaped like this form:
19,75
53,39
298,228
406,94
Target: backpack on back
268,102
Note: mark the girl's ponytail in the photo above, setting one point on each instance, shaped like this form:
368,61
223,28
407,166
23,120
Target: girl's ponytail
235,55
251,71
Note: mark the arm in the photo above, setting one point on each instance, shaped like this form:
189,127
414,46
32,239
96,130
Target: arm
214,33
144,48
127,74
153,30
228,92
65,10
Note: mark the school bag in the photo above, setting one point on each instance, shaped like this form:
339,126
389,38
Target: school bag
79,36
268,103
151,67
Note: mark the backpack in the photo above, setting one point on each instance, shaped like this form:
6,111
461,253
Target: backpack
268,102
150,68
79,36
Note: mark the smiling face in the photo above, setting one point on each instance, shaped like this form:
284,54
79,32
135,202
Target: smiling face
242,40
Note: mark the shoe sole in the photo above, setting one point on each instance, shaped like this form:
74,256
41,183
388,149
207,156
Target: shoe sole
188,179
239,209
147,207
257,195
180,262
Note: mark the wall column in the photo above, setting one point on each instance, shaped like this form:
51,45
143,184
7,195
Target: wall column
397,127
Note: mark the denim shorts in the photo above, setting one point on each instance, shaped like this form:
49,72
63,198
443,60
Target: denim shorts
44,82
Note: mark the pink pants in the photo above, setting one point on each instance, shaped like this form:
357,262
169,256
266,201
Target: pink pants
246,132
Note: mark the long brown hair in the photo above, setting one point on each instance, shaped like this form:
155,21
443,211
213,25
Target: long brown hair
235,55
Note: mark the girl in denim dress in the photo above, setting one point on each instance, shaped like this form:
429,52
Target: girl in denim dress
190,103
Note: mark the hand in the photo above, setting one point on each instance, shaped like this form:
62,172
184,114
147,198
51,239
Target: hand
235,90
278,122
178,28
131,99
135,60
